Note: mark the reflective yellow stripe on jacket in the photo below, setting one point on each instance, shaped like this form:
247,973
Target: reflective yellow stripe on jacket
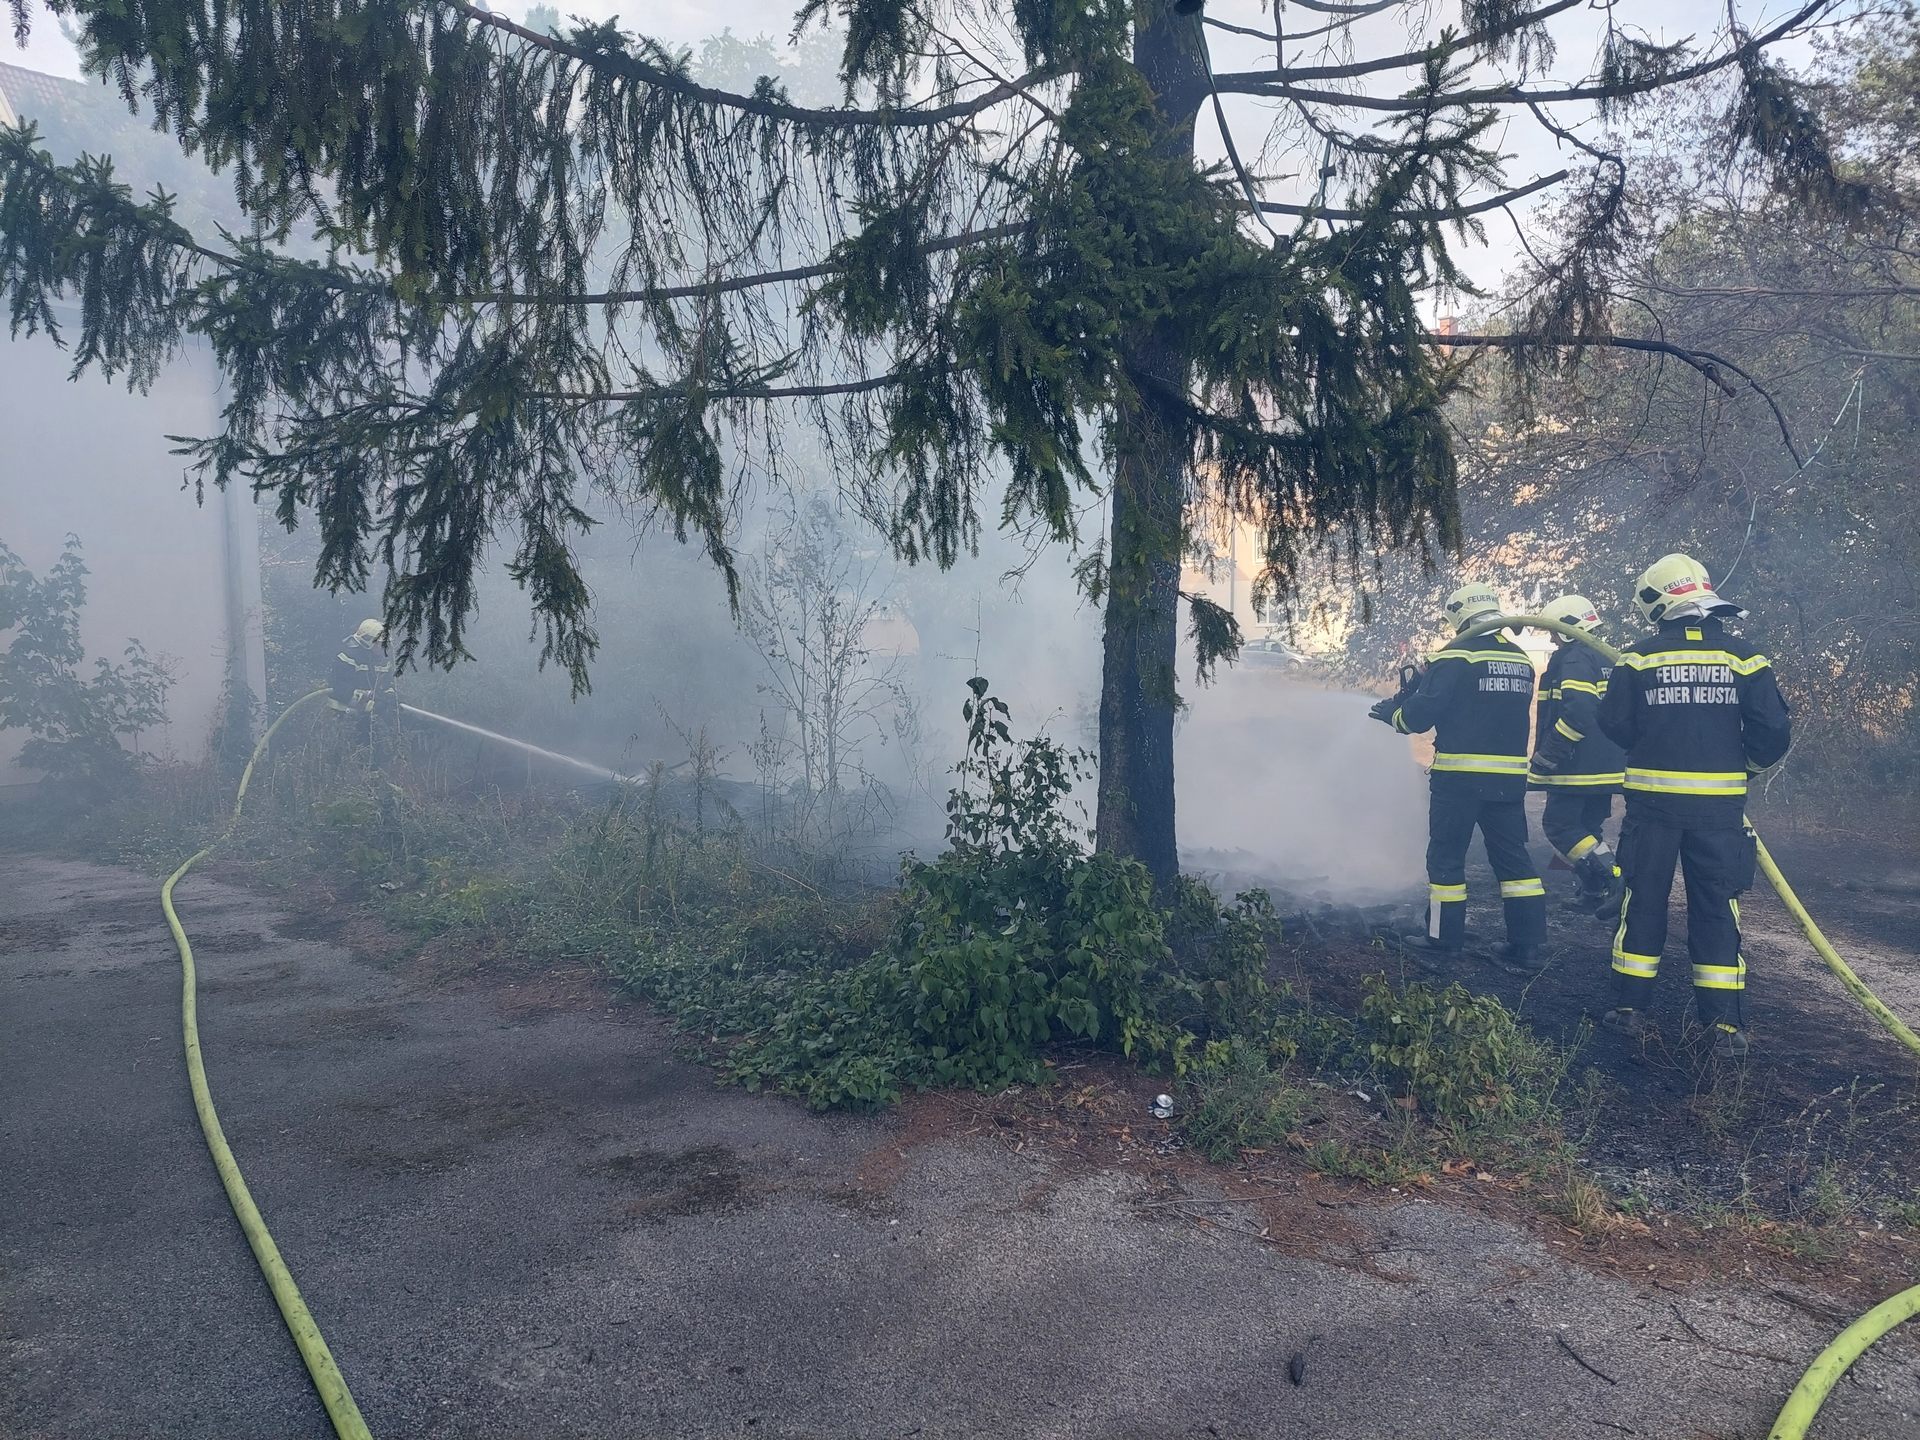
1514,654
1688,782
1479,764
1740,666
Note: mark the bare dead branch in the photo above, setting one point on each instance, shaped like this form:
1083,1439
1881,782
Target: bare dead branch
1763,292
1409,59
1706,362
1269,82
1479,207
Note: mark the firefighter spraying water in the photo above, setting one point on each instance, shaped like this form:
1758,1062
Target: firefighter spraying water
1475,697
361,685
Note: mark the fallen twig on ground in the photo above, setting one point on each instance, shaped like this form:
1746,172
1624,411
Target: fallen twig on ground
1728,1349
1581,1360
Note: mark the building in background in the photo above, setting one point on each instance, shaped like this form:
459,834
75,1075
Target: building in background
91,459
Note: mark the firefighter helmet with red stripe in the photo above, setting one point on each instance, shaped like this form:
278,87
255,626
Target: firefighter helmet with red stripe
1673,581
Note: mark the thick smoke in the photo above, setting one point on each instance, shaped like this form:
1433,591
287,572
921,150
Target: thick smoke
89,459
1286,784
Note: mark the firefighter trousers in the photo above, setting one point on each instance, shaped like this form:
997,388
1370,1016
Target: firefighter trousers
1717,864
1575,818
1452,815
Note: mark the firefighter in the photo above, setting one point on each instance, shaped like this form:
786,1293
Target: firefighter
1697,712
1578,767
1476,696
362,681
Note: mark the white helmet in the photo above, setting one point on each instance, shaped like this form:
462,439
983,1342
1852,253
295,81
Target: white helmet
1675,580
1574,610
1470,603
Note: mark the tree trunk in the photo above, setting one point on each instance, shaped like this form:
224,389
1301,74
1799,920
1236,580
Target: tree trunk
1137,693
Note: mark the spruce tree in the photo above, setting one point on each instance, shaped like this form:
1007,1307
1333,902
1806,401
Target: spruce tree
494,271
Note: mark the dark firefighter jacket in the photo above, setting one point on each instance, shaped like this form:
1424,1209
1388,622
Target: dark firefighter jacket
1697,712
1566,728
1476,697
362,678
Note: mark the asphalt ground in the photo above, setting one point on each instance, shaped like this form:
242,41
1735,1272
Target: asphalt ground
516,1212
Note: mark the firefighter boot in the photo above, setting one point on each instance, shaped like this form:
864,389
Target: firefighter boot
1632,1023
1730,1042
1433,956
1599,879
1520,959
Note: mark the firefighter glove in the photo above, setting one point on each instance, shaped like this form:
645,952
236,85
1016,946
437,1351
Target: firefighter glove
1546,762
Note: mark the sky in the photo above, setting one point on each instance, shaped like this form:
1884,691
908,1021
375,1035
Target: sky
1533,152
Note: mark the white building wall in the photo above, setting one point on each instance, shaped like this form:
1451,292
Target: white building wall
88,458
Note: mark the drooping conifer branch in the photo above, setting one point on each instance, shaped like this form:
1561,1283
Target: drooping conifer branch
545,268
1657,72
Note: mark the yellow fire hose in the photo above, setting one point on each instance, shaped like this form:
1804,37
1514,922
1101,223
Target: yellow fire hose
1834,1361
327,1378
1795,1416
1839,967
1851,1343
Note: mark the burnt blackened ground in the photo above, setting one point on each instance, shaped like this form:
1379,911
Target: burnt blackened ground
1821,1124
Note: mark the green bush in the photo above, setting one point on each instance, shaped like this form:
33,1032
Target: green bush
1235,1100
1014,938
1463,1056
73,722
1307,1035
1217,986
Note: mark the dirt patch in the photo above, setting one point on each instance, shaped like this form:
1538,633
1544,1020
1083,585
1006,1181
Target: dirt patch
663,1185
1092,1116
923,1117
562,988
280,977
370,938
520,983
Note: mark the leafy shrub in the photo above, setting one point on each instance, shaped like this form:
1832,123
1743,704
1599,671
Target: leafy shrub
1236,1100
1464,1056
837,1041
73,722
1217,986
1016,935
1011,939
1309,1036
